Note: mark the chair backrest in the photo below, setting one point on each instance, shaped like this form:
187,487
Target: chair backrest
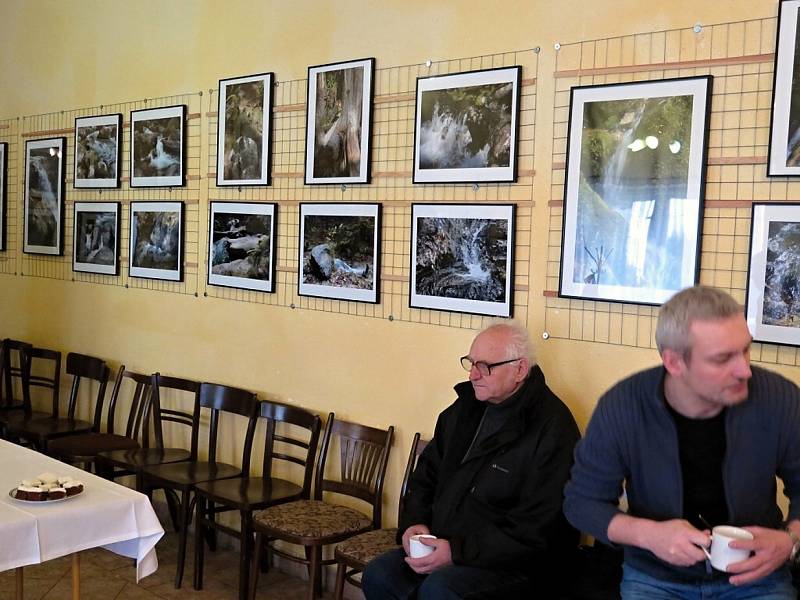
13,371
82,366
277,413
219,398
139,410
363,457
38,377
417,446
161,415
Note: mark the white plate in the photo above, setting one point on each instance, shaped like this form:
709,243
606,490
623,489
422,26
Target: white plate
12,492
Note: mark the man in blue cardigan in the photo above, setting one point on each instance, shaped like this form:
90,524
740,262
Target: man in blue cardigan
697,442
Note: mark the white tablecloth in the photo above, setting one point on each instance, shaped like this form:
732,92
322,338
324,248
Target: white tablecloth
105,514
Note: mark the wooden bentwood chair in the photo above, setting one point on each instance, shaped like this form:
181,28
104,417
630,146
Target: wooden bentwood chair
363,456
353,554
254,493
184,476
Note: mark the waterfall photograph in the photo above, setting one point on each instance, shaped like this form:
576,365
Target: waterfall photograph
773,288
338,122
242,245
157,140
95,239
339,249
243,130
3,193
44,202
461,257
156,242
466,126
633,190
784,132
97,151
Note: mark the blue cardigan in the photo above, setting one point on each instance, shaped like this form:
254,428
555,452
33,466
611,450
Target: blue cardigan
632,438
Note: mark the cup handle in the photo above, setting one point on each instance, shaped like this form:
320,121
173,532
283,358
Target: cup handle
706,552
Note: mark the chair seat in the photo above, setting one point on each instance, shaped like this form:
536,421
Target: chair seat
187,474
12,406
50,427
15,418
87,445
313,520
250,492
138,458
358,550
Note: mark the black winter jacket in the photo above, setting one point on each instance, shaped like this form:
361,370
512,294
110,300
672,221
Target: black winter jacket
502,507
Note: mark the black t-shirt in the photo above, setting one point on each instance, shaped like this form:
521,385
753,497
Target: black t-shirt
701,444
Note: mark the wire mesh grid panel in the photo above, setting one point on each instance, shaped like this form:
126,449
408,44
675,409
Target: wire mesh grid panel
392,141
9,257
62,124
740,57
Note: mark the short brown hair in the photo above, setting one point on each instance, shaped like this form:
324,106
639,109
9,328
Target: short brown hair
698,303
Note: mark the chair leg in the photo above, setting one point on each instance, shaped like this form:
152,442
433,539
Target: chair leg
245,550
173,505
341,570
185,517
315,585
211,532
255,570
199,546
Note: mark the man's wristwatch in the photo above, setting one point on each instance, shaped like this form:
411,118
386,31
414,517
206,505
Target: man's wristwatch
794,555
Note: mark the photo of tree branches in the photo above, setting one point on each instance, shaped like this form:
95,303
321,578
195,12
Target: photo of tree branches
462,258
339,251
782,275
793,147
242,245
155,239
632,210
244,130
337,122
466,127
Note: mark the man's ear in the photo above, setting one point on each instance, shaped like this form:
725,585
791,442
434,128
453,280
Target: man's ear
523,366
674,362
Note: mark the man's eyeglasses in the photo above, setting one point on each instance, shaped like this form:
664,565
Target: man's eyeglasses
484,368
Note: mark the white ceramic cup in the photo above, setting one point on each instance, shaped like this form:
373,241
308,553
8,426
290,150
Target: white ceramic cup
416,549
721,555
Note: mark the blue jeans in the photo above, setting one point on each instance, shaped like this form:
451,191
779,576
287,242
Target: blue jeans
388,577
639,586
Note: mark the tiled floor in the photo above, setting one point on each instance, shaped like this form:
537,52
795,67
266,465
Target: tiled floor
107,576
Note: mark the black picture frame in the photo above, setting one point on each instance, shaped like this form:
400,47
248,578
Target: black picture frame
161,260
3,193
96,238
98,152
633,202
330,264
157,134
244,146
784,127
43,216
331,90
462,258
451,146
243,256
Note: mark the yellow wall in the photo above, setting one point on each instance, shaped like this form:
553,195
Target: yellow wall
68,54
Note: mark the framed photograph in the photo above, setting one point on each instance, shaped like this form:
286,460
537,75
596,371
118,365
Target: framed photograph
158,147
466,127
241,251
773,286
462,258
243,131
338,122
784,131
156,241
633,195
3,193
340,251
43,231
98,143
95,246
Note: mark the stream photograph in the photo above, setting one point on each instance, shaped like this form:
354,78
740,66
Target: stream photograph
97,147
241,245
782,276
157,146
43,201
632,206
241,145
155,240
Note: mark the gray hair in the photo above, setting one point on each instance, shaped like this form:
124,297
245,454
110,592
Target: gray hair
519,345
698,303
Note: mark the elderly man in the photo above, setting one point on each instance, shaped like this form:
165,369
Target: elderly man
489,485
698,442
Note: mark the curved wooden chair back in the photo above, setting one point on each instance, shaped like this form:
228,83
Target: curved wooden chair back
222,398
82,366
139,411
417,447
160,415
14,371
